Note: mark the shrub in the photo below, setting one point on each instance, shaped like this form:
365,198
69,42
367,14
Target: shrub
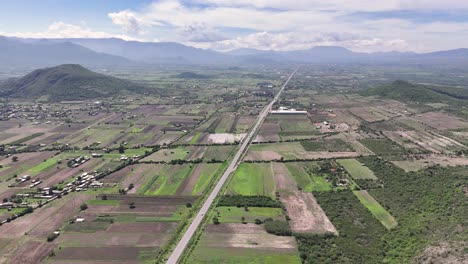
279,228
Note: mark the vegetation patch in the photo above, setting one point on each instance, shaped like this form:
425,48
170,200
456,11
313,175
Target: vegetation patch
357,169
376,209
249,201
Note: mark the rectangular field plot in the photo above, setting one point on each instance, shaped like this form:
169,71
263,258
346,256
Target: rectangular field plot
306,214
167,180
357,170
306,177
376,209
243,243
383,146
186,179
232,214
283,127
292,151
332,145
252,179
190,153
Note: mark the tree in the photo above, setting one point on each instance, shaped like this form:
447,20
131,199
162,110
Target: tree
121,149
104,197
83,207
14,159
188,205
215,220
131,205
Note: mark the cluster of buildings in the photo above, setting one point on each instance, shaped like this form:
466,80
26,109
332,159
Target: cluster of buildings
285,110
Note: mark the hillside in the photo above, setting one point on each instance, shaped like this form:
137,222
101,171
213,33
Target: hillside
68,82
405,91
46,53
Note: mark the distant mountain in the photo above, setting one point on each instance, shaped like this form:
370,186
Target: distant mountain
117,52
67,82
409,92
153,52
41,53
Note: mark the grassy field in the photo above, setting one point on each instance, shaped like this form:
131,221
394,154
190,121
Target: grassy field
357,170
252,179
376,209
305,179
206,175
211,255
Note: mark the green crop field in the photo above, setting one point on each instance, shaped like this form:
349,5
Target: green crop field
305,179
210,170
357,170
376,209
252,179
167,181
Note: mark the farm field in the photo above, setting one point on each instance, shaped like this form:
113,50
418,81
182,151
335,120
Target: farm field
376,209
243,243
292,151
364,176
357,170
252,179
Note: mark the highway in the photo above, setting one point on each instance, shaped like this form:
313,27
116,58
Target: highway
179,249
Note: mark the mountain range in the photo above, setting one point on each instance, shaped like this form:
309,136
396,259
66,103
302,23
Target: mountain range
118,52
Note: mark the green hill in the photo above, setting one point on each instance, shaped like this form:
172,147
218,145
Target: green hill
405,91
68,82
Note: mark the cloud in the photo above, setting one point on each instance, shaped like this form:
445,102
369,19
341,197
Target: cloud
127,20
200,33
62,30
296,24
301,41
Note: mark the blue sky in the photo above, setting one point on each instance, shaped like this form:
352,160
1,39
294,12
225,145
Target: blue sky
361,25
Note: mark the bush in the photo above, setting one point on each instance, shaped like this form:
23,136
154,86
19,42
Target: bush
83,207
51,237
279,228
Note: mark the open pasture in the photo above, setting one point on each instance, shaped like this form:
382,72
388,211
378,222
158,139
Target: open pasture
357,170
252,179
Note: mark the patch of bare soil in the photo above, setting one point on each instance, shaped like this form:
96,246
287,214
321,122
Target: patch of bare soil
99,253
262,155
31,252
246,236
141,227
62,214
444,253
306,214
283,179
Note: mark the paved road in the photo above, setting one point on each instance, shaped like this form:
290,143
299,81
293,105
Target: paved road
174,257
